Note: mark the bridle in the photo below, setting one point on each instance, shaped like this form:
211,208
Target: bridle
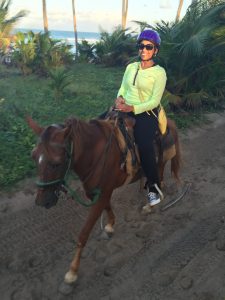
62,181
64,184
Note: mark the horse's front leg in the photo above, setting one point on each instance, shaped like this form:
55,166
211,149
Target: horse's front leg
95,212
111,220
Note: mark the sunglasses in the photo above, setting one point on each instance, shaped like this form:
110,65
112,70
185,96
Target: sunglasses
147,47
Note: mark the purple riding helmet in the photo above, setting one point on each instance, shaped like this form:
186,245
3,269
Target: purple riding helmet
151,36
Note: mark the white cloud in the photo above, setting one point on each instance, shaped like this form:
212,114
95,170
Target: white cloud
165,4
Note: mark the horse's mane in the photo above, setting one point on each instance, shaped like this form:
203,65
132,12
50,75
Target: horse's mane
86,128
85,132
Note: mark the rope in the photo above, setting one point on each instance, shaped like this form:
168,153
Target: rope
172,202
96,194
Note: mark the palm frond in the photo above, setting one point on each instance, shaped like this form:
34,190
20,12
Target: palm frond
195,100
195,45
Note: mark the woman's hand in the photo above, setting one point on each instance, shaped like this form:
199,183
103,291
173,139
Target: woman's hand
122,106
119,100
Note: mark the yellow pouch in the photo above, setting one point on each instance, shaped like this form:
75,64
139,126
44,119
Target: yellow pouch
162,119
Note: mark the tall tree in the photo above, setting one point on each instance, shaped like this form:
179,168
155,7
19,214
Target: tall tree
124,13
75,28
179,10
45,18
7,24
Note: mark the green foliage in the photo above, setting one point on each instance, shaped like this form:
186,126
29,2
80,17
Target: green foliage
24,53
86,52
113,49
15,142
50,53
61,78
117,48
7,24
37,53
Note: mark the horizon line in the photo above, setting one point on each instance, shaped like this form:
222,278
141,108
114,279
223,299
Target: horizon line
37,29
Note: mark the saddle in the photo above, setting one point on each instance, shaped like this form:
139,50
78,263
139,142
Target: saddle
130,160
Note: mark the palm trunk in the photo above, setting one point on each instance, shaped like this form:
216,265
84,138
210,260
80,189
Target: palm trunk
75,29
124,13
179,10
45,19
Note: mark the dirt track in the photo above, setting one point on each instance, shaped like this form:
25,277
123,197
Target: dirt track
178,254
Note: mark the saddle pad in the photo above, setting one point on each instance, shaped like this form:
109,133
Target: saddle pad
129,168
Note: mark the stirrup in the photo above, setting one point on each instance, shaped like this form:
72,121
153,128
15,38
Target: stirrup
159,191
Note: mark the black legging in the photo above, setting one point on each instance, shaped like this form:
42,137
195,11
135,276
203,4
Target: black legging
144,133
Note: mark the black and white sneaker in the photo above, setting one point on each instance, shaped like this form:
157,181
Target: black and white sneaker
153,198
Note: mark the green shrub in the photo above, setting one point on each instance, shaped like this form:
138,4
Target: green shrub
60,79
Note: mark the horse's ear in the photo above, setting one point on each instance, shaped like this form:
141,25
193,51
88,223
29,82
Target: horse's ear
62,134
34,126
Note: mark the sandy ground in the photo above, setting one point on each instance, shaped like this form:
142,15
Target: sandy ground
177,254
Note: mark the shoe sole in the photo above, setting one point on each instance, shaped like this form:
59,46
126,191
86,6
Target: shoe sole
155,202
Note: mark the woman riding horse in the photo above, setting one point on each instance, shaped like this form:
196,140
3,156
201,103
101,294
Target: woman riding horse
91,150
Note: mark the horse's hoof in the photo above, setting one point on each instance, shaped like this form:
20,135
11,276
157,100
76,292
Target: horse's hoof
65,288
109,229
146,209
70,277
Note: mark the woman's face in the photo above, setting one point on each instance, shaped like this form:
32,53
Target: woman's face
146,50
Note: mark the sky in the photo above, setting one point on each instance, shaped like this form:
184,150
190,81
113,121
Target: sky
93,14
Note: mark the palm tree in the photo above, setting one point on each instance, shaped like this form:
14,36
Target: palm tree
7,24
124,13
179,10
45,18
75,29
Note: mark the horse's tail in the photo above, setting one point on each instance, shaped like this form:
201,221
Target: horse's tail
176,160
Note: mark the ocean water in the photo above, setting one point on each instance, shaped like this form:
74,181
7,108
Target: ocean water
68,36
91,37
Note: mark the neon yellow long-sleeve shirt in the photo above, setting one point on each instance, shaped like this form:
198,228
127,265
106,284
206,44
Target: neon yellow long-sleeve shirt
148,89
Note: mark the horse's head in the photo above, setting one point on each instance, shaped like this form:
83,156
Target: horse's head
52,156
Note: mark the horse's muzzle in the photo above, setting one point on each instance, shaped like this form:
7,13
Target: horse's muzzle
46,198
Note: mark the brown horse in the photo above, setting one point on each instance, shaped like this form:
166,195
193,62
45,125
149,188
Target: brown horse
91,150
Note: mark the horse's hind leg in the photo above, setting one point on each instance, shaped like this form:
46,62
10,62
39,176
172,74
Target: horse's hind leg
95,212
111,220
